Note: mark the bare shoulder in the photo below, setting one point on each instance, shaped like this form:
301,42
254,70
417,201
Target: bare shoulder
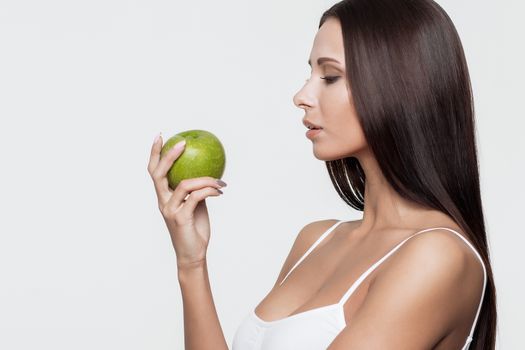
444,250
304,239
438,268
311,232
441,252
428,288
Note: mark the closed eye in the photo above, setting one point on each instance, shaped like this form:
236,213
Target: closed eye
330,80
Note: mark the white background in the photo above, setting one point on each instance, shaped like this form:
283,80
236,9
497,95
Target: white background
86,261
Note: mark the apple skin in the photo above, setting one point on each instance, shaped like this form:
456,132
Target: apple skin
203,155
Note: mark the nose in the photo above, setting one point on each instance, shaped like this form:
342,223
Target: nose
301,99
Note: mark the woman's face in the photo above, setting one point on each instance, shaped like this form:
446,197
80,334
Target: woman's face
326,98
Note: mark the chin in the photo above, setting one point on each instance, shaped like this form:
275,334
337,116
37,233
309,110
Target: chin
336,154
327,156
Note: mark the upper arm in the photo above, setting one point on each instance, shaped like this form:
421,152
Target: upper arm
305,238
414,302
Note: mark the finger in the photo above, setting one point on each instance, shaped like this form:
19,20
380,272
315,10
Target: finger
187,186
186,212
197,196
166,161
159,175
160,184
154,156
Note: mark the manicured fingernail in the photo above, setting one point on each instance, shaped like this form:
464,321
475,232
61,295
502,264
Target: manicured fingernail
157,138
219,191
179,145
222,183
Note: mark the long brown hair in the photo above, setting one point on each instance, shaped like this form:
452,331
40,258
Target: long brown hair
409,80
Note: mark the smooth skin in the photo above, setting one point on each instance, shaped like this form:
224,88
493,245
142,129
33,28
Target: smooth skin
426,295
183,209
423,297
186,215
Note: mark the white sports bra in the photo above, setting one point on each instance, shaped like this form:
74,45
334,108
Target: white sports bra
315,329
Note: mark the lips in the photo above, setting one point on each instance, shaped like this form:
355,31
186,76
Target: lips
312,133
310,125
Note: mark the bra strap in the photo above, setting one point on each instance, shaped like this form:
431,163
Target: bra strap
326,233
356,284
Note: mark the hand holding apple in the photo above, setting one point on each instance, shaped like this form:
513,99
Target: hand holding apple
184,209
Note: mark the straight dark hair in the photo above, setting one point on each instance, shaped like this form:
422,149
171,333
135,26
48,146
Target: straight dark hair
409,80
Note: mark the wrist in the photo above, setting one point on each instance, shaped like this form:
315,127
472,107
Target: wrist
188,268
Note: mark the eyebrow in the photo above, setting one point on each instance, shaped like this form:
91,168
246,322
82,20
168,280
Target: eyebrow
322,60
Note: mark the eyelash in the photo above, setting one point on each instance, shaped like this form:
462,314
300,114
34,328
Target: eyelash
330,80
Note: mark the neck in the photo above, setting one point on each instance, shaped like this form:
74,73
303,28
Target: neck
385,209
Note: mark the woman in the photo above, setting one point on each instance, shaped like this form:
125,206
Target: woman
390,96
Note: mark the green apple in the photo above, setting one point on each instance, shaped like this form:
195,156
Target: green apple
203,155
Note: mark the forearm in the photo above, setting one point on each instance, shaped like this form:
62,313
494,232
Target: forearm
202,328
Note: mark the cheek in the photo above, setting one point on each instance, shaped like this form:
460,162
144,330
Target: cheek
339,112
343,122
337,102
